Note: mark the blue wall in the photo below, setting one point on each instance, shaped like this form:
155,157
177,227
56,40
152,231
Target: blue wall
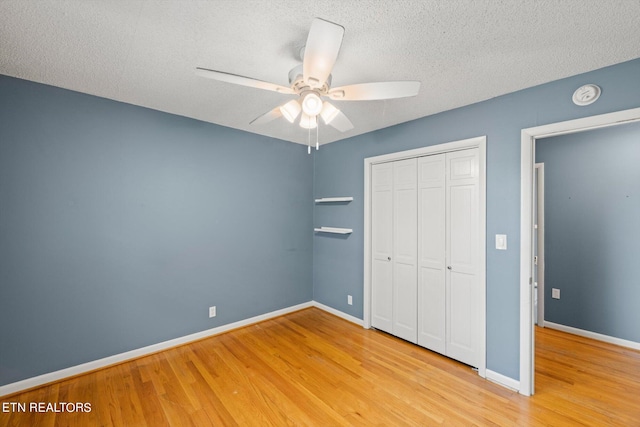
339,171
120,226
592,229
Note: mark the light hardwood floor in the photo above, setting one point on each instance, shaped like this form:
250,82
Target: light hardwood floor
312,368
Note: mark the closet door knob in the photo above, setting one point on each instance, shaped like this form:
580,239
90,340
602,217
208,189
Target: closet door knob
448,267
388,258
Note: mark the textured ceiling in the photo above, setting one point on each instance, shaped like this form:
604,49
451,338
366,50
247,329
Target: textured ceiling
145,52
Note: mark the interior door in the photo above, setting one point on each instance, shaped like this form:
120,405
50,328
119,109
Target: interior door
462,253
382,246
404,258
431,252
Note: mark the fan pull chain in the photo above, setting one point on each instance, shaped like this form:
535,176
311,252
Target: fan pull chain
317,131
309,140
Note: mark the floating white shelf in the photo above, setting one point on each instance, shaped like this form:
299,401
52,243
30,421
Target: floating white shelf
334,199
334,230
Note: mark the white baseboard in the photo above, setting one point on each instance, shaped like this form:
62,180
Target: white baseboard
503,380
338,313
593,335
133,354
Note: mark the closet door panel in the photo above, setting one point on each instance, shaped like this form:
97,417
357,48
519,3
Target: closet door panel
431,252
462,239
404,256
382,247
404,303
462,196
462,336
462,229
431,310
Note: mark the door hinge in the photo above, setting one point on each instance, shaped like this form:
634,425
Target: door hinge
530,280
535,260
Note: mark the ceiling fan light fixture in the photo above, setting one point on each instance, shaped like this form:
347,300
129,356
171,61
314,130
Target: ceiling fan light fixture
311,82
308,122
311,104
290,110
329,112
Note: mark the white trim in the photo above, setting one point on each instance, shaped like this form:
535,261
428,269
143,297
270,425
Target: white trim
479,142
526,255
540,231
463,144
527,141
594,335
366,294
503,380
337,313
134,354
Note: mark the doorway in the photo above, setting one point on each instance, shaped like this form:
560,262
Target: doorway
527,203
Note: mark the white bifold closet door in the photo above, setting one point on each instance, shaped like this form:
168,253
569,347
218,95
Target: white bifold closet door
382,247
394,248
448,229
432,253
462,241
405,250
425,237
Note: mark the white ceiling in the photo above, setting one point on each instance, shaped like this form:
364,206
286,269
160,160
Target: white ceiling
145,52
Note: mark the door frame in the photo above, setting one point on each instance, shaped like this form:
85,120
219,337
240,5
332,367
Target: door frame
527,160
540,231
478,142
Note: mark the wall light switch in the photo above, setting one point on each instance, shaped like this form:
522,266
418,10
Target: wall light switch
555,293
501,242
212,311
349,300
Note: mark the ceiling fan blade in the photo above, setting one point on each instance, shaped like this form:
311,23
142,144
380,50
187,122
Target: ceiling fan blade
374,91
267,117
341,122
241,80
321,51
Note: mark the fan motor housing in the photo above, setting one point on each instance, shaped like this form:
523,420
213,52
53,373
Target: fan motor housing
297,83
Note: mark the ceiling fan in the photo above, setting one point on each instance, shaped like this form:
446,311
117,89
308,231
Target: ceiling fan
311,82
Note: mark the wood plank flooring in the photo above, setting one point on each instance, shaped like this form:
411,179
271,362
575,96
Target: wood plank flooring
312,368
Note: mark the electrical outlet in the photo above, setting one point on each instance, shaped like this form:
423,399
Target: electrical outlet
349,300
555,293
212,311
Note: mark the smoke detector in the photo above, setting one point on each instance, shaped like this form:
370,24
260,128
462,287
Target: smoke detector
585,95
